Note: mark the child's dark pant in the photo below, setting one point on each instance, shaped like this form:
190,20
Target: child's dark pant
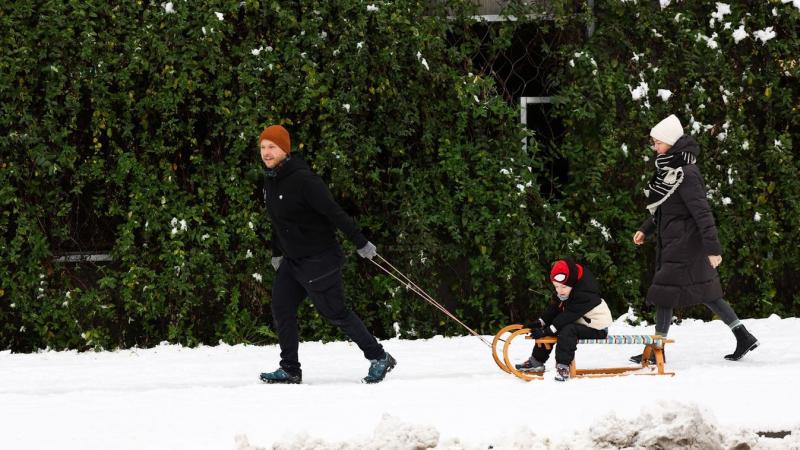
568,337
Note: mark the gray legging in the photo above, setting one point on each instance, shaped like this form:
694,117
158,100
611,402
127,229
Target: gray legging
719,307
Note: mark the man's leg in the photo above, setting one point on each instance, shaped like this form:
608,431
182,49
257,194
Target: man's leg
331,304
287,294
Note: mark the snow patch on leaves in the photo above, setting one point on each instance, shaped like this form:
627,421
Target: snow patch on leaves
739,34
764,35
639,91
603,230
719,15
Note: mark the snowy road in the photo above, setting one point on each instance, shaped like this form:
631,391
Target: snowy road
444,390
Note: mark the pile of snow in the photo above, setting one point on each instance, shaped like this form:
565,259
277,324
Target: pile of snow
665,425
391,433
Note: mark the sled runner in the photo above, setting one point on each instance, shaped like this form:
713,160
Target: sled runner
653,345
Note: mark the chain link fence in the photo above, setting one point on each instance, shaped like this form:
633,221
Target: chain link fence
518,49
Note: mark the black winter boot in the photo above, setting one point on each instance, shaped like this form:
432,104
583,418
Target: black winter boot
744,343
652,360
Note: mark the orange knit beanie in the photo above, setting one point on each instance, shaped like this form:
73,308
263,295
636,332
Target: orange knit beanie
278,135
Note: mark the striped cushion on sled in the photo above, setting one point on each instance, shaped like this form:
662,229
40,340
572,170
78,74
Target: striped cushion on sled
626,339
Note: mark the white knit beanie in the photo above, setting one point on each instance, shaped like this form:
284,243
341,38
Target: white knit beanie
668,130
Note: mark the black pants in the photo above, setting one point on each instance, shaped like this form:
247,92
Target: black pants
319,278
568,337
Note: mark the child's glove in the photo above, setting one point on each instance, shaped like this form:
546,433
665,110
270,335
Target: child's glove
538,323
542,332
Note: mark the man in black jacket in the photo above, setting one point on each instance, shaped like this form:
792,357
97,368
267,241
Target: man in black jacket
308,258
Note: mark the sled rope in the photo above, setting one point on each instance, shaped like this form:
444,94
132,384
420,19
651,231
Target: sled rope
410,285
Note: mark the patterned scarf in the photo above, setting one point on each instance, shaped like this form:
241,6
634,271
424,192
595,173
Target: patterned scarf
668,176
272,173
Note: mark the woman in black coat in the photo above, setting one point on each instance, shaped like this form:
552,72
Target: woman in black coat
688,250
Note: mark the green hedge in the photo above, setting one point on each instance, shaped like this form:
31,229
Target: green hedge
739,100
131,128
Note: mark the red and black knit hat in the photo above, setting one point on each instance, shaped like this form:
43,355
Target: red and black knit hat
566,272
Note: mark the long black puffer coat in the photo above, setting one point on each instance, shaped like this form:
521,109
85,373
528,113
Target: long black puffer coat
686,236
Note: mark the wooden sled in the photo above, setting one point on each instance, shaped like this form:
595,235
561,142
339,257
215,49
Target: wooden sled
653,345
502,336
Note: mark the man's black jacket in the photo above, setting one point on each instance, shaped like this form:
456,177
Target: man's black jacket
303,212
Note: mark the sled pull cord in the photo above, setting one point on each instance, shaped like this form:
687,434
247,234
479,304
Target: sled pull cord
396,274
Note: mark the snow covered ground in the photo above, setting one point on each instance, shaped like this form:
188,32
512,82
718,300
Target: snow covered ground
445,392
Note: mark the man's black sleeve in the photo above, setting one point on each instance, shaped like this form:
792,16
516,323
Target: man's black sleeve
321,200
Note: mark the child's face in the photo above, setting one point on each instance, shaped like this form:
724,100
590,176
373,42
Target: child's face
562,289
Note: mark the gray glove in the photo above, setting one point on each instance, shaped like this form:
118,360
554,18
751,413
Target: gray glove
368,251
276,261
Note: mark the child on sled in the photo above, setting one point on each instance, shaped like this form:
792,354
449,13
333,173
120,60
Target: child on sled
576,312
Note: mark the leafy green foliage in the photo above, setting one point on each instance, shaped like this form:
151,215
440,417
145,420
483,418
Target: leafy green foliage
739,100
131,129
